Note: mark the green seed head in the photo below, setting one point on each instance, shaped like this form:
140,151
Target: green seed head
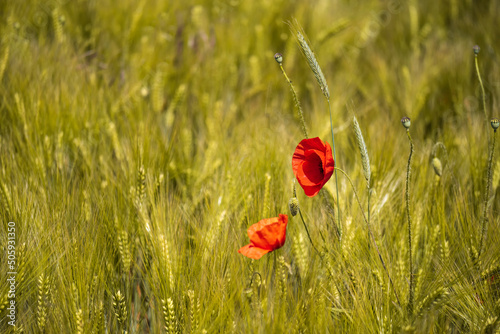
476,49
406,122
293,204
279,58
495,123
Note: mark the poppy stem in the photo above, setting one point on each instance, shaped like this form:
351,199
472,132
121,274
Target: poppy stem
484,222
307,231
371,233
339,224
368,209
407,194
296,101
482,87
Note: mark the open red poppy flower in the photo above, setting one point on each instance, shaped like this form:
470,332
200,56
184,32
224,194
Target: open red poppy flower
265,236
313,165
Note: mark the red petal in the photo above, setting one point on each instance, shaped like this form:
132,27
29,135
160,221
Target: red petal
253,252
269,233
329,163
306,144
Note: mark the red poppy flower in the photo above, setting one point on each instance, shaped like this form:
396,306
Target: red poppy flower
265,236
313,165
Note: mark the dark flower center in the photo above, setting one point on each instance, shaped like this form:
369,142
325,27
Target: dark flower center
313,166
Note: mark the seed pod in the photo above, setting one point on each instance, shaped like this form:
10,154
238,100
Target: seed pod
406,122
279,58
438,167
495,123
293,204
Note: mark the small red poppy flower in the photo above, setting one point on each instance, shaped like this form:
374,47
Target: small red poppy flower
265,236
313,165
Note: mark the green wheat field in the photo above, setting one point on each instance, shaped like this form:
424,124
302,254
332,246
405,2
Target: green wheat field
139,140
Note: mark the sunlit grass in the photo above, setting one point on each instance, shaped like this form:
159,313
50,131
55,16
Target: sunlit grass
140,140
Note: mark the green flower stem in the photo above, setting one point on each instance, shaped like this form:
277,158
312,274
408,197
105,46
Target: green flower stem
371,233
368,209
297,103
487,194
482,88
407,194
339,224
307,231
331,210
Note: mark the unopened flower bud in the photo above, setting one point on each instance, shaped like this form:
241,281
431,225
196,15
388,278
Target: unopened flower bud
406,122
293,204
476,49
279,58
495,123
438,167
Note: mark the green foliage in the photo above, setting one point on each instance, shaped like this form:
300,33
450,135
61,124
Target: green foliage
140,139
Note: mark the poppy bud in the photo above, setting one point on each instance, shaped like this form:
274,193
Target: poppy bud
406,122
438,167
293,204
495,123
279,58
476,49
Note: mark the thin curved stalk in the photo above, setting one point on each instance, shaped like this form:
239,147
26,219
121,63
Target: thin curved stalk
371,234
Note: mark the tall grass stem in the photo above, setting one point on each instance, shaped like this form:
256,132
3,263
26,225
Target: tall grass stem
307,231
371,234
482,87
484,221
339,224
296,101
407,195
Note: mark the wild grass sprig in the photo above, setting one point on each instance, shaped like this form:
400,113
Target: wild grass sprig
495,123
406,123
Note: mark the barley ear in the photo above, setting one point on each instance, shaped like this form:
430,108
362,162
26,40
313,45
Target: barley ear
169,316
6,200
4,58
79,321
120,309
194,311
433,299
281,278
41,310
362,149
313,64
